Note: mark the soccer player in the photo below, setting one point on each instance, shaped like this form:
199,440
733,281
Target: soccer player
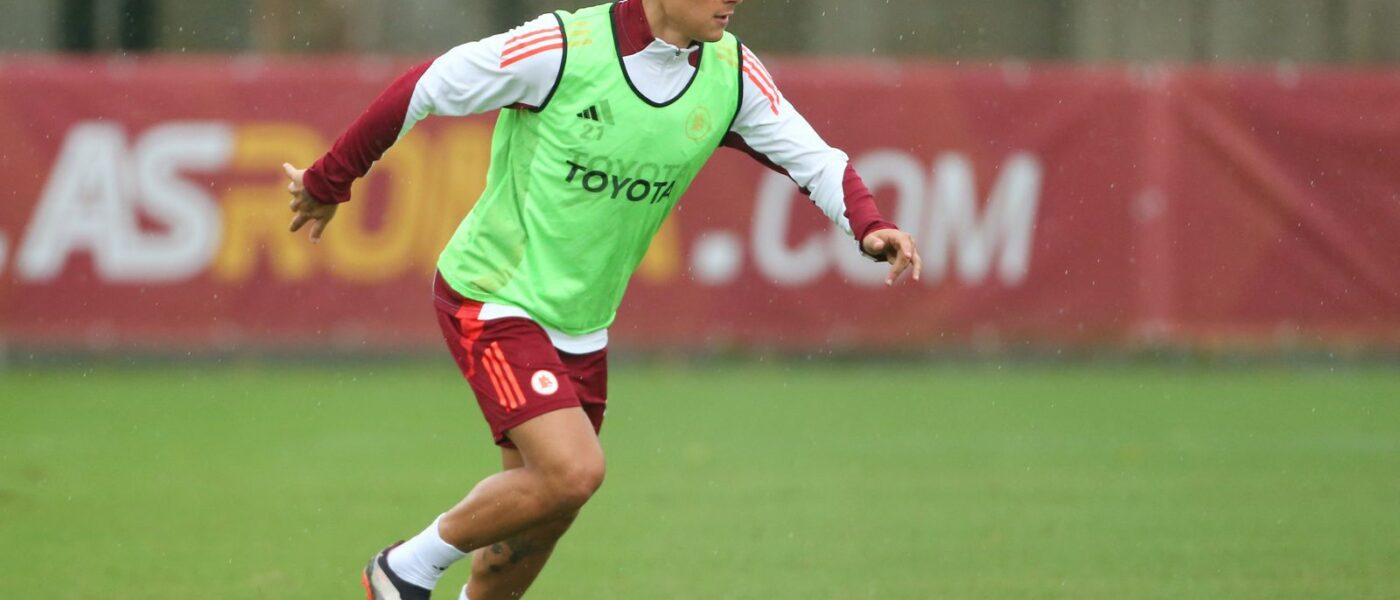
608,114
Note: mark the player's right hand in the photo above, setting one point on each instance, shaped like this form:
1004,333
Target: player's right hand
897,248
307,208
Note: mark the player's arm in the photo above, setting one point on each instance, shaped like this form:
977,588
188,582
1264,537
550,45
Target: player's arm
770,130
514,69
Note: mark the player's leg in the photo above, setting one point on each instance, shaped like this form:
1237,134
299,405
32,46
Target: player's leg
562,465
561,462
506,569
526,394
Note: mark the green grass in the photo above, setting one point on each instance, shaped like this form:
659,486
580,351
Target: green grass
778,481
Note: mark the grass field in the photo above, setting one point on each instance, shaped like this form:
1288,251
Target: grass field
779,481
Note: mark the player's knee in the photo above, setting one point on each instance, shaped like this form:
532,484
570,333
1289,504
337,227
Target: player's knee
575,483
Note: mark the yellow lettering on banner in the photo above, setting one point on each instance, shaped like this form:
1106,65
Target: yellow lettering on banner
461,159
355,253
663,260
255,216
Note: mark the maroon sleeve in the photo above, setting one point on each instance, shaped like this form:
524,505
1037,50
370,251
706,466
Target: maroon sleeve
860,203
860,207
329,179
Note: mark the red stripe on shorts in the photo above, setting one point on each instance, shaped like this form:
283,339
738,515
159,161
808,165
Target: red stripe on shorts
503,395
510,375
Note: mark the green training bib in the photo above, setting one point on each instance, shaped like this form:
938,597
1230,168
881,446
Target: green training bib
578,188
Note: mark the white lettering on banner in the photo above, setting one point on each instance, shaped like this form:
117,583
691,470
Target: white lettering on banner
717,258
125,203
190,213
952,237
81,206
1005,228
94,199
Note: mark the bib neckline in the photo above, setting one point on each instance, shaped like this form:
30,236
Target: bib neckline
617,50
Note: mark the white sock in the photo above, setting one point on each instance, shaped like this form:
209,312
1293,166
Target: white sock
422,560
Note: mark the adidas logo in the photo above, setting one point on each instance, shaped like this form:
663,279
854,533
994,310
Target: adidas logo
600,112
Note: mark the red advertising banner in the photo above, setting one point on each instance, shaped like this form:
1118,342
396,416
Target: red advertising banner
143,206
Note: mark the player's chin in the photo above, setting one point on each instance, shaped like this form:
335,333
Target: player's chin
711,34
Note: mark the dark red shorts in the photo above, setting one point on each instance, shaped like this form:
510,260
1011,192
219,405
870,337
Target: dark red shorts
516,373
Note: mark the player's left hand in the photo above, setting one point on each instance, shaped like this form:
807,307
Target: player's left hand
307,208
898,248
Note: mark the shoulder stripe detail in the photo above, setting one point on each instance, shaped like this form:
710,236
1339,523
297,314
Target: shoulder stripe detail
553,37
549,44
530,34
758,82
761,79
751,60
529,44
519,57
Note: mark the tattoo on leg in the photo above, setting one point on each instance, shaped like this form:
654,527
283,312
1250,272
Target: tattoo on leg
520,548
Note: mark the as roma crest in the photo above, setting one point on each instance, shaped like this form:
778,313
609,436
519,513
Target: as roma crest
699,124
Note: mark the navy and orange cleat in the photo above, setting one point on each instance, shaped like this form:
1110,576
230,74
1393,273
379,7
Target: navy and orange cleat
381,583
